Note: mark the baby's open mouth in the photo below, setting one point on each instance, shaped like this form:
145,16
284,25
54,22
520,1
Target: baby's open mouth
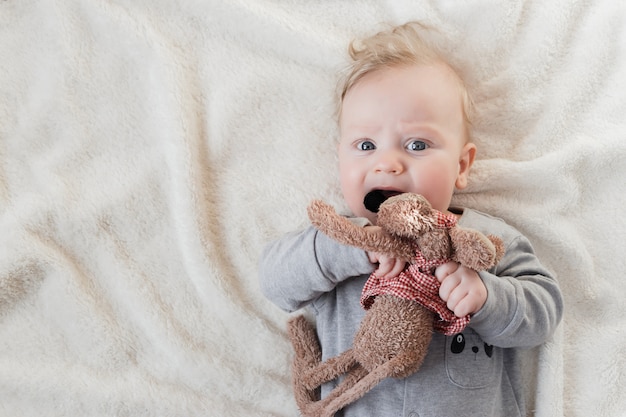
375,198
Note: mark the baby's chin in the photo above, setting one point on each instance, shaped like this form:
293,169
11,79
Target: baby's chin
363,212
373,218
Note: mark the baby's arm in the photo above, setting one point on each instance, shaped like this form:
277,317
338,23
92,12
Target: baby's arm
524,303
299,267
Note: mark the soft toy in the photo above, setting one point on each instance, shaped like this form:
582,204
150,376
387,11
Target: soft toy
394,335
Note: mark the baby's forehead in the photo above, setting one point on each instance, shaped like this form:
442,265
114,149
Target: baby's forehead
434,77
433,82
441,74
437,64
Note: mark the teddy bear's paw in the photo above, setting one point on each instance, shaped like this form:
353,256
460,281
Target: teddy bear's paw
472,249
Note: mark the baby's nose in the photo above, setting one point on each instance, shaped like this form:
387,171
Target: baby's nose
389,162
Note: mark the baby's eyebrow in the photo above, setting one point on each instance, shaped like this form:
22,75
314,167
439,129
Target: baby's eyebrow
360,130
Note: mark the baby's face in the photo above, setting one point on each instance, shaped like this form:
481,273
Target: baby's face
402,130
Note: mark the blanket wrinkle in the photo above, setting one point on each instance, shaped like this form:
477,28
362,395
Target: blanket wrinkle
150,148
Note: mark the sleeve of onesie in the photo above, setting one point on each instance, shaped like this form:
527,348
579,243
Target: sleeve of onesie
299,267
524,303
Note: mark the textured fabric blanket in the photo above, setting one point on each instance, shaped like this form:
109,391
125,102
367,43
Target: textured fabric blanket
150,148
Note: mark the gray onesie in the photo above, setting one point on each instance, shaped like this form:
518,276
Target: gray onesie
472,373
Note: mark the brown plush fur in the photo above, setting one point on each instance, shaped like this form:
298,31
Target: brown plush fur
394,335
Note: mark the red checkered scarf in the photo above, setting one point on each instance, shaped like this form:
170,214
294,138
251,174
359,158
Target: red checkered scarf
418,283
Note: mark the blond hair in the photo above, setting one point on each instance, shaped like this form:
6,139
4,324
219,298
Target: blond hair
397,46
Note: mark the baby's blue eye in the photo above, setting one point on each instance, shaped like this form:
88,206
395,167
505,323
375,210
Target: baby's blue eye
417,145
366,145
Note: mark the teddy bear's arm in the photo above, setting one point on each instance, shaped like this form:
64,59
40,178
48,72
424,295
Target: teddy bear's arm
374,239
474,250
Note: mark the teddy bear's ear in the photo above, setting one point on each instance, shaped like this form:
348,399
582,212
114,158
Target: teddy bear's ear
407,215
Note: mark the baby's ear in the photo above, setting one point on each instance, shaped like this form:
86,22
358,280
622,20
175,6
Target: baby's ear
468,153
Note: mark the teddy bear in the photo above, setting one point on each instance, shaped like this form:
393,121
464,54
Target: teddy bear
401,313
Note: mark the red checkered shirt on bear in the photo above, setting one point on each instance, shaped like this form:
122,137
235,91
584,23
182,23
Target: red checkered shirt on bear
418,283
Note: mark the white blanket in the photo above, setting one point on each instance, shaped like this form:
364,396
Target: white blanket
150,148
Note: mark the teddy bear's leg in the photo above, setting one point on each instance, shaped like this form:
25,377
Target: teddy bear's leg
351,390
358,387
336,399
309,374
330,369
319,408
304,340
307,356
304,397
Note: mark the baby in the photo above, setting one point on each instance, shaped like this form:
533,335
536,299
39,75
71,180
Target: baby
404,127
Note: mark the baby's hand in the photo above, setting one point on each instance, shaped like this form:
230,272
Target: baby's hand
461,288
387,266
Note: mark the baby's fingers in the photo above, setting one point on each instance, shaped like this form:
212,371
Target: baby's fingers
398,267
443,271
389,267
